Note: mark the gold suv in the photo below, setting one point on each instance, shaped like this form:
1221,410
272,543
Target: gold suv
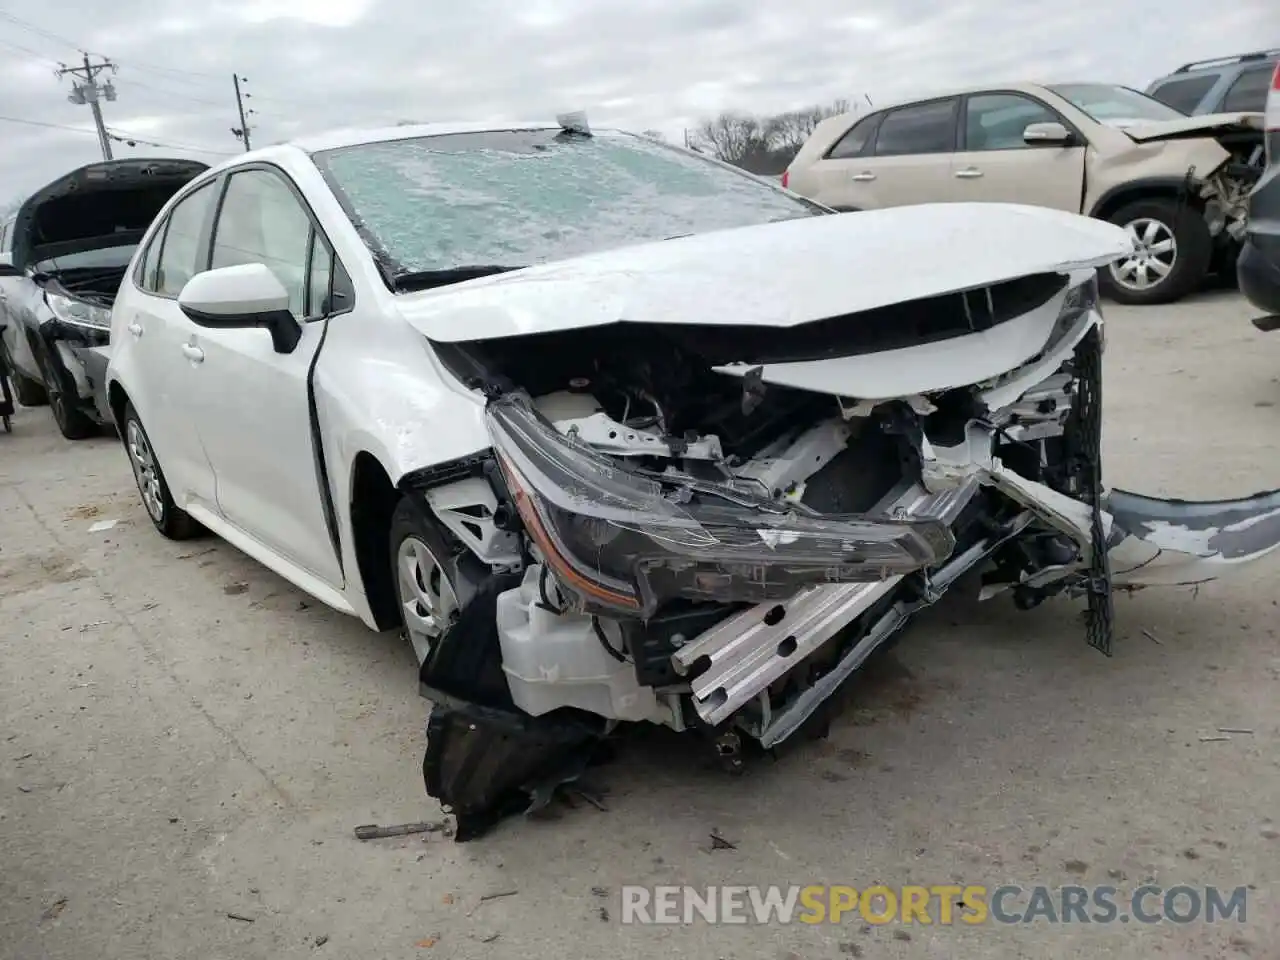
1178,184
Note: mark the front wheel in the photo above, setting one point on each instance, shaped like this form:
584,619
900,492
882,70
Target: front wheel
169,519
1170,259
73,422
424,575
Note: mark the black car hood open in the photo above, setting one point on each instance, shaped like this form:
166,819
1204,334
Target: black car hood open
99,205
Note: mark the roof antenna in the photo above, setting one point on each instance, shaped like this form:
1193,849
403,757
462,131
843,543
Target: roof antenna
574,122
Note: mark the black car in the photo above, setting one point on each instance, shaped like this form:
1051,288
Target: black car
62,257
1258,268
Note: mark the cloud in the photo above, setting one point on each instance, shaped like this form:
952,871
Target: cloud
661,64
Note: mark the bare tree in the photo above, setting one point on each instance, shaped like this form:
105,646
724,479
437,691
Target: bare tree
732,137
788,131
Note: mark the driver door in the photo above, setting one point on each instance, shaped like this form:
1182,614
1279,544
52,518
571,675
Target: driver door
995,164
257,432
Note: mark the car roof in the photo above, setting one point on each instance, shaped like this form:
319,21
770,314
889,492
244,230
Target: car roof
1232,63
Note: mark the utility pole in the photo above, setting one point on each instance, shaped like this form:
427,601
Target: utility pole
241,132
86,89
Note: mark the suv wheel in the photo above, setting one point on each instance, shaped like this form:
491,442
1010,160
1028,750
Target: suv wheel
1172,250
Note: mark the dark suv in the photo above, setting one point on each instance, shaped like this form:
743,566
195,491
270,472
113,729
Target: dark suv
1258,268
1227,85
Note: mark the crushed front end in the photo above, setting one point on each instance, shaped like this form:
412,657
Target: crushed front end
654,538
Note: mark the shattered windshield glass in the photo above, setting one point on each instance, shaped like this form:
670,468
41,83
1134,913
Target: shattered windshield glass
521,197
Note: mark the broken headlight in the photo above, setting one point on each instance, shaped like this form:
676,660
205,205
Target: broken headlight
1080,300
78,313
623,542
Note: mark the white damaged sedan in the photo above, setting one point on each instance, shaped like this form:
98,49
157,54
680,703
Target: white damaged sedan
614,432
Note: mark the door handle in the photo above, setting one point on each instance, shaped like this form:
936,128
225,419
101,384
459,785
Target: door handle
865,175
969,173
135,329
193,353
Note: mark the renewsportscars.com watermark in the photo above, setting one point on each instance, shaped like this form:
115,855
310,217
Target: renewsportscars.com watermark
941,904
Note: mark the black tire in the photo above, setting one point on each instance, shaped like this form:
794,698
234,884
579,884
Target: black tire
1191,261
30,393
168,518
73,423
410,522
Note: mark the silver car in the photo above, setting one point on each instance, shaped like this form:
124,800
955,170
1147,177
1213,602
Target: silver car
63,253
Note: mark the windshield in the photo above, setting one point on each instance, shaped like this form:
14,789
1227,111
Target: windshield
521,197
104,257
1107,103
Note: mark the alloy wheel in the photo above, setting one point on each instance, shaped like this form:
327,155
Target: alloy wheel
1155,251
426,596
145,473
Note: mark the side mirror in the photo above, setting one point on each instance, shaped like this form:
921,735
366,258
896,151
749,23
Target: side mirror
7,269
1054,134
246,295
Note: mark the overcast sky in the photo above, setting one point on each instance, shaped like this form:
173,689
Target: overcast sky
659,64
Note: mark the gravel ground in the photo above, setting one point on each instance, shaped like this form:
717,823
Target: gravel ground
186,737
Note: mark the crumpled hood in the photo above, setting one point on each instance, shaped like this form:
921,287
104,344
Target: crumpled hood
1208,125
773,275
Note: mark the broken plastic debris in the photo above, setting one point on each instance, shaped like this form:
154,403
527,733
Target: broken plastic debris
102,525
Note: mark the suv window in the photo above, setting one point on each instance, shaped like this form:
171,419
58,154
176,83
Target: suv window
1249,92
181,246
262,221
1185,95
995,121
854,143
919,128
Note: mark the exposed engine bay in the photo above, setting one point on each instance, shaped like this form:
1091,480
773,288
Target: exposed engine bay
664,532
1225,192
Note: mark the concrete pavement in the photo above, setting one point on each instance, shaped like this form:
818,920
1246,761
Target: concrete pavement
184,736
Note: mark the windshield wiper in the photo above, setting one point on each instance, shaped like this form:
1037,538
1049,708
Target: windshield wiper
428,279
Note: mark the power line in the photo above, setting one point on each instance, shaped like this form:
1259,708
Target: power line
123,136
39,31
119,136
27,51
41,123
168,93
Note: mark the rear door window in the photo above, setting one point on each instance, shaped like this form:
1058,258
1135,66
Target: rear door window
1248,94
1185,95
920,128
